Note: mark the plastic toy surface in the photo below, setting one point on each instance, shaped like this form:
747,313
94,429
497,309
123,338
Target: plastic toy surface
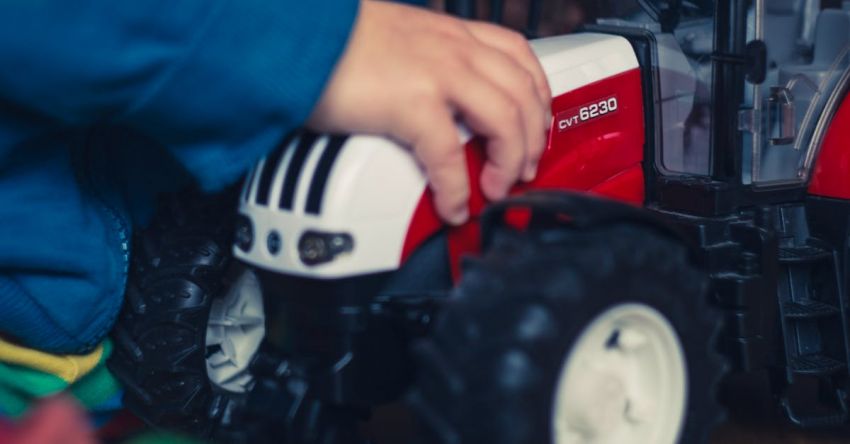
691,209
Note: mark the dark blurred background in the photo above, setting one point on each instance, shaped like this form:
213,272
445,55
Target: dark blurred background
561,16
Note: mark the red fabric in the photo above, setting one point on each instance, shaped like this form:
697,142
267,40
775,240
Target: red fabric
53,421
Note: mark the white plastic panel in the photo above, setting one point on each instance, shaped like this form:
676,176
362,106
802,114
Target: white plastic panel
371,194
576,60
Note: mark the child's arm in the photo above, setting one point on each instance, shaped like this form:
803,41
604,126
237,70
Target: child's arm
219,82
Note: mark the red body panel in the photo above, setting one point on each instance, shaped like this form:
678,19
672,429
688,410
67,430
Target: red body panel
831,176
601,155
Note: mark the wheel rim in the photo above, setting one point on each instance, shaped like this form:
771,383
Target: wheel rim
624,380
235,329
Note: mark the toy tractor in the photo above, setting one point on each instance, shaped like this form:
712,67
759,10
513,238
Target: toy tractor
689,221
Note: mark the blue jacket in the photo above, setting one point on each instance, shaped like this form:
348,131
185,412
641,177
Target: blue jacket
104,103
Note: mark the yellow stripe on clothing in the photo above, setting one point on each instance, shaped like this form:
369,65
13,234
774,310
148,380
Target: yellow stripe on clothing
69,368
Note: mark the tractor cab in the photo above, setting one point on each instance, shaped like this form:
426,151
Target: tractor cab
739,95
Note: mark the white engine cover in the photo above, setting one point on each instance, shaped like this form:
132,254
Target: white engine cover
372,189
369,187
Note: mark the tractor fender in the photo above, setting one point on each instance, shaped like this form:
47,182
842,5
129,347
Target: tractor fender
575,211
831,168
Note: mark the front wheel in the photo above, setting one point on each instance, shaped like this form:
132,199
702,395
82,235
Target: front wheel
191,324
597,336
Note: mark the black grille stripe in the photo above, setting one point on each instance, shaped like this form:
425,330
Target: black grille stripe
293,171
269,170
322,173
249,183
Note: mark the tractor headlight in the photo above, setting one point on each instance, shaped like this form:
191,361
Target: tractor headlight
244,236
317,248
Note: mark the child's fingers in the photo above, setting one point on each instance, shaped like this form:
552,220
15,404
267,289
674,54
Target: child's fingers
519,84
516,46
494,114
432,133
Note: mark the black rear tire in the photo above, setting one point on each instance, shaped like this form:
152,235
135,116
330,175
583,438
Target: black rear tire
489,370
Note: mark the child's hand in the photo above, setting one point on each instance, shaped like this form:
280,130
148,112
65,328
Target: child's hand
408,73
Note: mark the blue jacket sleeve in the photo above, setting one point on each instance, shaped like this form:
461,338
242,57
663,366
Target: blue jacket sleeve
217,82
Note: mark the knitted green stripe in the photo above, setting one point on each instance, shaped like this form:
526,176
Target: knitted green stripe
20,386
29,382
95,388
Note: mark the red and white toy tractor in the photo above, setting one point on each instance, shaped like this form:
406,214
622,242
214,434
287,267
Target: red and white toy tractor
689,222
